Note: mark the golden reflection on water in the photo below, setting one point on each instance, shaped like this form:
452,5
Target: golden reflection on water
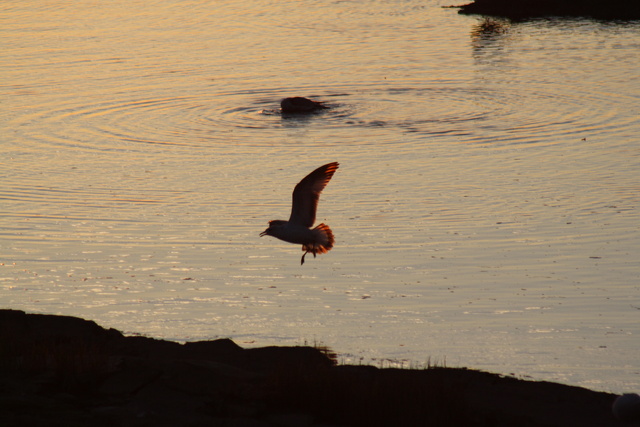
485,211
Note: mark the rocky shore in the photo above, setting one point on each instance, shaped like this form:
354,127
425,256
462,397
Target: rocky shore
66,371
525,9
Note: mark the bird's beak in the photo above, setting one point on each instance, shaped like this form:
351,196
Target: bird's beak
264,233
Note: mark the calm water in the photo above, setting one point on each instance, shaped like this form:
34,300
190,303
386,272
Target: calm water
486,211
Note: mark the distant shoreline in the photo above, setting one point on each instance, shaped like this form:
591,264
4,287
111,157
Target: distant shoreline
525,9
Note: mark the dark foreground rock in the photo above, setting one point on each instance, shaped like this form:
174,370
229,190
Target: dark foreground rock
524,9
65,371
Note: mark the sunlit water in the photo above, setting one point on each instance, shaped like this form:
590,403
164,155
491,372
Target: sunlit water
485,211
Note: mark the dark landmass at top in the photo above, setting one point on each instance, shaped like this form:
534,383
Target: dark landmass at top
66,371
525,9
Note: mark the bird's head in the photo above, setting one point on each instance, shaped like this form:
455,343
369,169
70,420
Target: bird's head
274,226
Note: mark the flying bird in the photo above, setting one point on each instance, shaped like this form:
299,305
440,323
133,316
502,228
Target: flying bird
318,240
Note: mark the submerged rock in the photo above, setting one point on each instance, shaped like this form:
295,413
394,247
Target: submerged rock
300,105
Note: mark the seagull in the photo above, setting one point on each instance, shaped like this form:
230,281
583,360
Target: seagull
318,240
298,104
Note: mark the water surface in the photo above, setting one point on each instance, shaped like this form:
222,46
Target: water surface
485,211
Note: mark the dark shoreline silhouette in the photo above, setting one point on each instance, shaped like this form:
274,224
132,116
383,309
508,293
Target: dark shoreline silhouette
525,9
66,371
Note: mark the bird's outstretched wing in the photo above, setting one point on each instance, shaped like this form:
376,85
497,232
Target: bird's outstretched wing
307,193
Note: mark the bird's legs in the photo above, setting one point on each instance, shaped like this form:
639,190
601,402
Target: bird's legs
302,260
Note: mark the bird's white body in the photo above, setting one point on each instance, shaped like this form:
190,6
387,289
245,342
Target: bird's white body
320,236
291,232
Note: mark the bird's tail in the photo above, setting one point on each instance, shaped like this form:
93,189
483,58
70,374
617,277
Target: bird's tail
323,240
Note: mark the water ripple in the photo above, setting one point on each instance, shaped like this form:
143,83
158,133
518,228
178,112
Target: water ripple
472,114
